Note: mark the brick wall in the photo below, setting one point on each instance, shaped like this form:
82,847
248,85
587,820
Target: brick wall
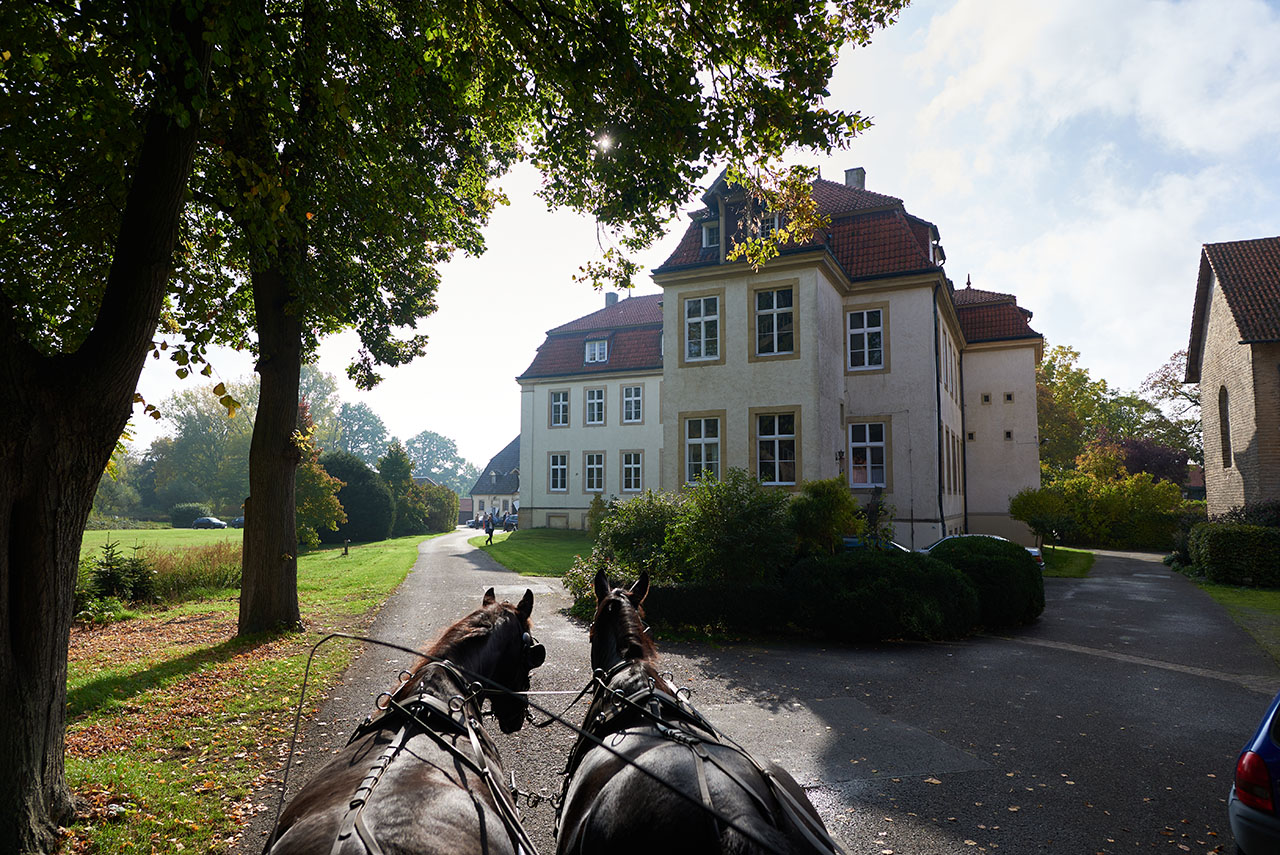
1227,363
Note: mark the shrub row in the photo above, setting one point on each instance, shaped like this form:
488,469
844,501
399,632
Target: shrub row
1132,512
1236,553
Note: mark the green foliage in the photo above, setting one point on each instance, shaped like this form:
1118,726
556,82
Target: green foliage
1236,553
596,513
633,535
316,505
361,432
442,508
367,501
395,467
1133,512
1044,510
114,575
436,457
1253,513
730,530
1010,588
822,514
1193,513
183,515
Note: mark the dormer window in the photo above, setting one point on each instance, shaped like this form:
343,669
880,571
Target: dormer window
710,234
597,351
770,224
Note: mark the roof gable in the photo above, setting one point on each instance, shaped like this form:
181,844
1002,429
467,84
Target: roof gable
1248,273
501,475
632,329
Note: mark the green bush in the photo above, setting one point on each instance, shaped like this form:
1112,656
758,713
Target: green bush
184,514
633,535
125,578
1236,554
442,508
1253,513
1010,587
365,498
1045,511
1131,512
822,514
1193,513
596,513
731,530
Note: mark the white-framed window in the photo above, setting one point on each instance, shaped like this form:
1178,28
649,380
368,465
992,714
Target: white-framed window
769,224
560,409
776,448
866,339
597,350
632,471
702,328
594,472
702,447
481,501
558,473
775,332
710,234
632,404
595,406
867,454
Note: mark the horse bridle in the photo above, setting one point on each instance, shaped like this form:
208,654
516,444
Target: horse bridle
452,715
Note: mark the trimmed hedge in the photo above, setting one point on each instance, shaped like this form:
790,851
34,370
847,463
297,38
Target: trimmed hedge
183,515
866,595
365,497
1010,587
1236,554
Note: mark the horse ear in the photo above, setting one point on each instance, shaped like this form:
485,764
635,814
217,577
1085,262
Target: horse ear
489,599
525,608
601,586
639,590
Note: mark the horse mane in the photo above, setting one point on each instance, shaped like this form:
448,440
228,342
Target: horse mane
633,641
466,631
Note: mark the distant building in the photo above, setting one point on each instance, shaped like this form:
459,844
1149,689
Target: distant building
850,355
1234,355
497,489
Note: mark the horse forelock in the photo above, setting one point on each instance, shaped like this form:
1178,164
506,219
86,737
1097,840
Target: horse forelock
460,640
627,625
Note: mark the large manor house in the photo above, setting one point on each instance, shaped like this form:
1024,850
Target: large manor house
852,355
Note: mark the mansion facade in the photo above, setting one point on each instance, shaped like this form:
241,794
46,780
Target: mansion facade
851,355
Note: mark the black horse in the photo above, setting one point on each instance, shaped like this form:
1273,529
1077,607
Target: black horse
421,775
665,779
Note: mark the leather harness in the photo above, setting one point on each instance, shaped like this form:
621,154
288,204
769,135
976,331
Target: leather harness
674,718
428,715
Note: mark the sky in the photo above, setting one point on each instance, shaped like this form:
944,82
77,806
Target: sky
1075,153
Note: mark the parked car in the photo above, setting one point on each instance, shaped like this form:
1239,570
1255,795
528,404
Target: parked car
1035,552
208,522
473,523
851,542
511,522
238,522
1252,804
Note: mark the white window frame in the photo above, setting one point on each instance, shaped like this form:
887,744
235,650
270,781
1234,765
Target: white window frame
869,448
560,405
774,316
632,404
702,443
593,407
775,442
597,350
558,472
864,330
701,320
709,228
593,472
632,471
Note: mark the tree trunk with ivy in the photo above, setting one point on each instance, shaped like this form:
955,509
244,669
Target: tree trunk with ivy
63,415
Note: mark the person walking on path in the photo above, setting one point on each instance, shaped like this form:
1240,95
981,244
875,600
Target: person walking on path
488,529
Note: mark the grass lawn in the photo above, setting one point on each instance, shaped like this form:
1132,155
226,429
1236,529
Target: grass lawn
172,720
536,552
1062,562
1256,610
157,538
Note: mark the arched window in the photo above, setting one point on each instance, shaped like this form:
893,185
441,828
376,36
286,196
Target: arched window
1224,426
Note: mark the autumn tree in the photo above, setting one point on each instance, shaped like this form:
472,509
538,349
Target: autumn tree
318,508
100,106
358,146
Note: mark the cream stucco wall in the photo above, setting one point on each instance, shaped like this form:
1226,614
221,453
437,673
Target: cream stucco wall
539,505
1002,442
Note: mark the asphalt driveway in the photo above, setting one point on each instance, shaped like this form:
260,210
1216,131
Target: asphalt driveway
1110,725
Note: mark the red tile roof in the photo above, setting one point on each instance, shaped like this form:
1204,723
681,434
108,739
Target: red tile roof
871,234
633,328
991,316
1248,272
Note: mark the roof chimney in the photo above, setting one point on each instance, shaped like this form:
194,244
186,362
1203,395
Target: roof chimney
856,178
610,299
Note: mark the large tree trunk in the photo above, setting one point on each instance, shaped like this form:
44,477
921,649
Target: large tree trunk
269,584
59,424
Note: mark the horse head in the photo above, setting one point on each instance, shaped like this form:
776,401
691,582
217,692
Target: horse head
618,631
515,653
